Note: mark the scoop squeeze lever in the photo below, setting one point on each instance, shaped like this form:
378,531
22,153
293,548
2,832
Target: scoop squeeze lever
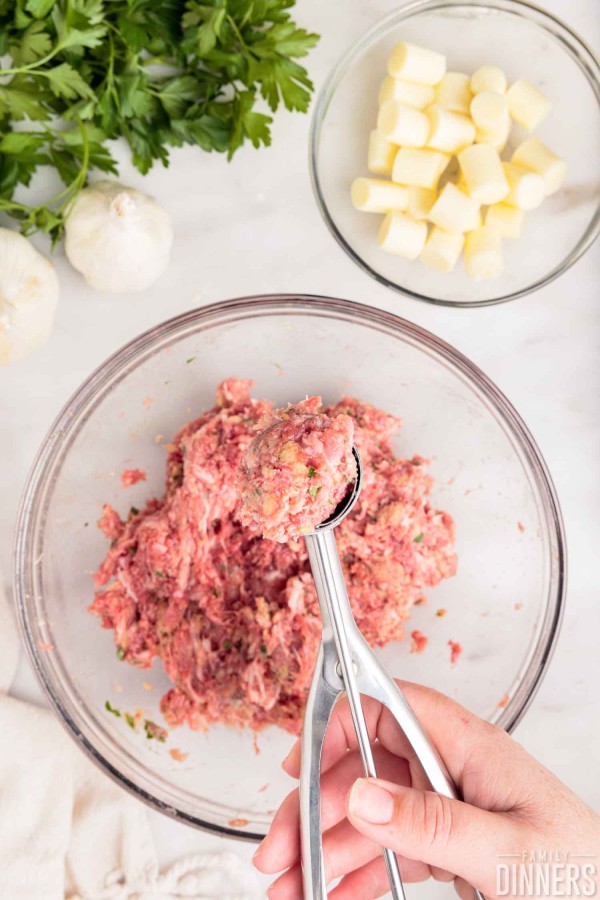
346,664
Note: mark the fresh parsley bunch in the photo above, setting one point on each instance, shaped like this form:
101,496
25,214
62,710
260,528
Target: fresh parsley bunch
160,73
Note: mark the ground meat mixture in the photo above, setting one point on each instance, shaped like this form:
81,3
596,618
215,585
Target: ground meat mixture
129,477
296,471
234,617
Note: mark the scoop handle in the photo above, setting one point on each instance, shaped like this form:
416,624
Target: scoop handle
339,621
321,700
361,672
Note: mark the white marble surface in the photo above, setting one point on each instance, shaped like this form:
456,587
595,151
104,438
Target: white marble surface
252,227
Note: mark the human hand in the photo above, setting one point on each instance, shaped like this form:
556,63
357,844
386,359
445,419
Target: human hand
511,805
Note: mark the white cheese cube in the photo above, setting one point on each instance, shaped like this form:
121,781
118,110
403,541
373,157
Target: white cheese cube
454,210
419,168
454,92
483,253
526,104
508,220
461,184
496,139
402,124
489,78
536,157
479,221
489,112
527,189
378,196
380,155
416,95
412,63
449,131
420,201
401,235
442,249
450,173
483,173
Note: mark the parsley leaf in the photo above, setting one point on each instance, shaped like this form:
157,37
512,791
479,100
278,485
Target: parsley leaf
112,709
36,42
19,158
65,82
39,8
23,101
158,73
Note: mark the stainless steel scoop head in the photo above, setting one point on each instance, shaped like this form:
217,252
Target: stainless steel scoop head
346,505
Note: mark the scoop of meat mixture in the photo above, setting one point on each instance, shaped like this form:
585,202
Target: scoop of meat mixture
296,471
234,618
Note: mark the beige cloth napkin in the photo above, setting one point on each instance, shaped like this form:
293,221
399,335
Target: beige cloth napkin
66,831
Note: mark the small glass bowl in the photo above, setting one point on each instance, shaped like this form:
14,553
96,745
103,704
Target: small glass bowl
504,605
525,42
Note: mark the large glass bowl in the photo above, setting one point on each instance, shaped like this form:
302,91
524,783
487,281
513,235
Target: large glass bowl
525,42
503,606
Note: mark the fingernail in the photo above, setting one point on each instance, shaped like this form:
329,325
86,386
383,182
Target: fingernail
257,854
370,802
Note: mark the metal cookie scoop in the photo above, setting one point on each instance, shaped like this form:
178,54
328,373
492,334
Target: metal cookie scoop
346,663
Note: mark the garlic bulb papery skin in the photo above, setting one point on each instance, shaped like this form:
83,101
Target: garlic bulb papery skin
29,291
118,238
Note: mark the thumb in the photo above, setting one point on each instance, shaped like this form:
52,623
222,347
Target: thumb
433,829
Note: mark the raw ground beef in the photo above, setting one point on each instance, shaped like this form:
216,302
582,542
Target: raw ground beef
234,617
131,476
296,471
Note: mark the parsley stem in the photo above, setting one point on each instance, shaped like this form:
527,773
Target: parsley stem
237,33
79,182
69,193
110,75
12,204
71,190
18,70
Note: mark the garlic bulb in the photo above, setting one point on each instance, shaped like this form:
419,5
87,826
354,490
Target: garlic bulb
118,238
28,297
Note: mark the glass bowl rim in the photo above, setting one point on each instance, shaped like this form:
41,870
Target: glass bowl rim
572,43
82,402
